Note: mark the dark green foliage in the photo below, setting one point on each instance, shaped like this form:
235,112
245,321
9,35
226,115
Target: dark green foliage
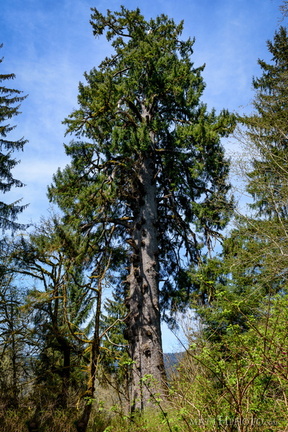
14,332
10,100
241,296
268,132
259,243
253,266
144,101
142,104
60,308
147,183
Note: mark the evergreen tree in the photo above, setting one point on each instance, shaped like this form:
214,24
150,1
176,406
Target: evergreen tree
13,332
148,174
60,305
10,100
284,8
268,132
66,309
245,325
260,242
254,264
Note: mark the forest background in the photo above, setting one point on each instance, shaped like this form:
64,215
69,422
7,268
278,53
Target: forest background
49,45
214,96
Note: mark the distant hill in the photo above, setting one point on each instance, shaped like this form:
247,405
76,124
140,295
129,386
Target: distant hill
171,361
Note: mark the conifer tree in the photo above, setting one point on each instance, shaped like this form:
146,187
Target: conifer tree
10,100
13,331
60,303
260,242
255,253
268,132
148,177
245,321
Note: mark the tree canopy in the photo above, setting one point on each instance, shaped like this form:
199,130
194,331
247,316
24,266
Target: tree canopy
144,199
148,173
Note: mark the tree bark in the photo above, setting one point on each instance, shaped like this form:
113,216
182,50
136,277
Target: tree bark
66,372
82,423
144,331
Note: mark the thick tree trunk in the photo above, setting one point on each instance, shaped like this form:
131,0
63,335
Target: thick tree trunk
144,332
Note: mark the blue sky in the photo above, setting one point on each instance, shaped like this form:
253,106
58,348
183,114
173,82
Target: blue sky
49,44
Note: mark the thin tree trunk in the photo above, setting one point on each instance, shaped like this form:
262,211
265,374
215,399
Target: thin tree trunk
15,401
144,331
65,376
82,422
15,390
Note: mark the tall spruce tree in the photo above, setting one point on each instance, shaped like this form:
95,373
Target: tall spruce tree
255,258
268,132
148,173
10,100
261,243
245,322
